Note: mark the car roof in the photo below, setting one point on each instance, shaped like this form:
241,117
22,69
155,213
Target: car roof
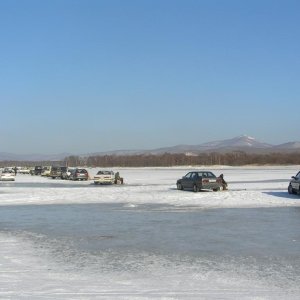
196,171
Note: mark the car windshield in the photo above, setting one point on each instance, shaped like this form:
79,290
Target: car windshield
206,174
104,173
188,175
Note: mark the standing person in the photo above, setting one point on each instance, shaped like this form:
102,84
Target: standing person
224,183
118,178
15,169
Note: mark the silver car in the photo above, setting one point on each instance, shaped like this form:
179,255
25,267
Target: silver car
294,186
79,174
7,175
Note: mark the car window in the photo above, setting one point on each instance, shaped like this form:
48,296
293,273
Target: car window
194,175
298,175
188,175
210,175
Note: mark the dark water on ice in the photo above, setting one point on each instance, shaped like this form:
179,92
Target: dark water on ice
262,242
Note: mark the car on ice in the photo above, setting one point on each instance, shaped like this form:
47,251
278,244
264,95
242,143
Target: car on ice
79,174
56,172
46,171
24,170
66,173
7,174
37,170
108,177
199,180
104,177
294,185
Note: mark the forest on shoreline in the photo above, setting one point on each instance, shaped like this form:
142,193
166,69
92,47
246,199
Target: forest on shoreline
235,158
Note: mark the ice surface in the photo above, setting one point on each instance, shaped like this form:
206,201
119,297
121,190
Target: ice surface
146,240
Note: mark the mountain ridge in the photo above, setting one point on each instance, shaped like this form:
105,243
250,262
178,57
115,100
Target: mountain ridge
240,143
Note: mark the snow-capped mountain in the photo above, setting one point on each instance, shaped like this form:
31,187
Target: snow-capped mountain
243,143
240,143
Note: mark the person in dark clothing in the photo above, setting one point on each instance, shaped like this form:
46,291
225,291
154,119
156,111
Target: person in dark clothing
118,178
224,183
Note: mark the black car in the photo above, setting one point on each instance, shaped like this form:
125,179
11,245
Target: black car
37,170
198,180
294,186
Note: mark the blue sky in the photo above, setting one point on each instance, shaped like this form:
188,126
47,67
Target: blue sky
84,76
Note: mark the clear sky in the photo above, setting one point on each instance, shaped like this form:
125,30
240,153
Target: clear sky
83,76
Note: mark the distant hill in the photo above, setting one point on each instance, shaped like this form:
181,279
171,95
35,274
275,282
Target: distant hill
5,156
240,143
291,146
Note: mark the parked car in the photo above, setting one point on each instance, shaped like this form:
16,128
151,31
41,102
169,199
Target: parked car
79,174
294,185
56,172
37,170
7,174
65,174
46,171
104,177
198,180
24,170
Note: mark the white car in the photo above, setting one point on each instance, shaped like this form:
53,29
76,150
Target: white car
46,171
7,175
24,171
104,177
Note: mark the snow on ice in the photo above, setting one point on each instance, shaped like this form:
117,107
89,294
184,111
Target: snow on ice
40,259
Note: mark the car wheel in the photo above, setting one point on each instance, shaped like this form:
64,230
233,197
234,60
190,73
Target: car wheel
290,189
179,186
195,188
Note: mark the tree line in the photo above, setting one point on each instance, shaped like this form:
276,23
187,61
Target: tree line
235,158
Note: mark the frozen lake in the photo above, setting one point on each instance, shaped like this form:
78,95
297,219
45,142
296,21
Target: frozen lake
146,240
